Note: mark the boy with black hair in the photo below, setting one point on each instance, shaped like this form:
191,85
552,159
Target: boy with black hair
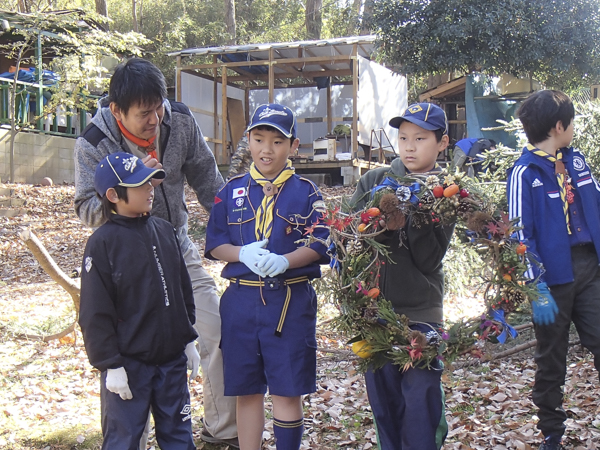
268,312
553,192
137,118
137,312
408,406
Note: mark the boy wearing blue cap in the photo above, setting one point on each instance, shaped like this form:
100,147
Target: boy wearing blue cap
408,406
552,191
268,312
137,310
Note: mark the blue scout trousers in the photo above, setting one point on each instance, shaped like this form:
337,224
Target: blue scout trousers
408,407
578,302
164,388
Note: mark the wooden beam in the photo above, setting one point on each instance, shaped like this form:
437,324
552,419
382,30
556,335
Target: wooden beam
307,75
271,77
178,78
452,86
354,101
215,103
329,121
289,61
223,156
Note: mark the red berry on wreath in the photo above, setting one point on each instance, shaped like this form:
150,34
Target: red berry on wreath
464,193
438,191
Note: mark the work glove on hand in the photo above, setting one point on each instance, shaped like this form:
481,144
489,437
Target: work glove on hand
250,254
544,308
116,382
193,359
273,264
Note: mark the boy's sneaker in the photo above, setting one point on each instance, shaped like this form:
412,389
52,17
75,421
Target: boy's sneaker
552,443
207,437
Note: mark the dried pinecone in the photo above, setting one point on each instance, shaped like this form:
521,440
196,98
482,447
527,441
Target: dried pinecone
419,338
478,221
394,218
427,200
354,247
511,298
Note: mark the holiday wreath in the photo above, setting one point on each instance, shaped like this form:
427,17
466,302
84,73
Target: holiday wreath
377,333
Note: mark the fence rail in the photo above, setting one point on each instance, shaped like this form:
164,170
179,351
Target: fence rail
62,121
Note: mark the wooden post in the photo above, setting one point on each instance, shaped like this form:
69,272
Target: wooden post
39,105
215,104
178,79
354,59
271,76
329,121
223,156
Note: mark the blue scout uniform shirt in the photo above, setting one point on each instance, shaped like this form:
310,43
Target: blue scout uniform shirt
533,196
232,221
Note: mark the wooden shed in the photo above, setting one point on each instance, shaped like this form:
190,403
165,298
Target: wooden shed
326,82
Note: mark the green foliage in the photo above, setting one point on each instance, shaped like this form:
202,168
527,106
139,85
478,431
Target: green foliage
558,42
587,133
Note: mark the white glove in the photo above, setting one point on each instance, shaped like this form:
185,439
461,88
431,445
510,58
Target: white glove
193,359
116,382
273,264
250,254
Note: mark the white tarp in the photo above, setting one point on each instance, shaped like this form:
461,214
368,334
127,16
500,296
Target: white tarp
382,94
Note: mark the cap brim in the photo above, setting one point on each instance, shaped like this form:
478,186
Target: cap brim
286,133
142,177
397,121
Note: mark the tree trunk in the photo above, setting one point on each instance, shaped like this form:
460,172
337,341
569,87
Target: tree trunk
365,29
102,9
134,15
24,6
230,21
314,18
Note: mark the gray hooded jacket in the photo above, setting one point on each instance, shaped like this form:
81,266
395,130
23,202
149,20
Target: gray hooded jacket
184,154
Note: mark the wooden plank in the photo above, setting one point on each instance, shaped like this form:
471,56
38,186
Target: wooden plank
354,101
178,78
223,157
332,59
271,77
237,121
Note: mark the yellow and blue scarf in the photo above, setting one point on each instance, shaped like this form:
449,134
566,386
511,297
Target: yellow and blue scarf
264,214
560,176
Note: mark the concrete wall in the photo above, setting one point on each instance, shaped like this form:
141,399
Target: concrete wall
37,156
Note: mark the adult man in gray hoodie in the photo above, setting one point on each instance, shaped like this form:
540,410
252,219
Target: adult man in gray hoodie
136,118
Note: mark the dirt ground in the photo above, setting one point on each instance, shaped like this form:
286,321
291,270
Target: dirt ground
49,394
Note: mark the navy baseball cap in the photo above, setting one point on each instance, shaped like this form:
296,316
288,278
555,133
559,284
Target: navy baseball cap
425,115
276,116
123,169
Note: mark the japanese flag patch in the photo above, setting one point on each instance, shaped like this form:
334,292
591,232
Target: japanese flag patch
239,192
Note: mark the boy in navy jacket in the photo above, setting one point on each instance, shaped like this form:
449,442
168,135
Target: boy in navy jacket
553,192
137,311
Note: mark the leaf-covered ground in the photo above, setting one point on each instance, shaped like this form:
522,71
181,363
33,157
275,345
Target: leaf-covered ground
49,394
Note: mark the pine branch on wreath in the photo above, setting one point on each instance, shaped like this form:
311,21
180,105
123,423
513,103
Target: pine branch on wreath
377,333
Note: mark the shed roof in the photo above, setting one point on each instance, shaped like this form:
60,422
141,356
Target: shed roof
301,59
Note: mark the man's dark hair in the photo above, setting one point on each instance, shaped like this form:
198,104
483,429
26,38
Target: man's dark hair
137,81
540,112
108,207
273,129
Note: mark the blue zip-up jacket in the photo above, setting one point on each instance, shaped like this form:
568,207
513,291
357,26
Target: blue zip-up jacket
533,195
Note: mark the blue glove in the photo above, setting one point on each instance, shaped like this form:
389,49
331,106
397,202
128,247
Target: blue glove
273,264
544,308
250,254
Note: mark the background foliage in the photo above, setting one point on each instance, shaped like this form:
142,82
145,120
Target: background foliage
555,41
